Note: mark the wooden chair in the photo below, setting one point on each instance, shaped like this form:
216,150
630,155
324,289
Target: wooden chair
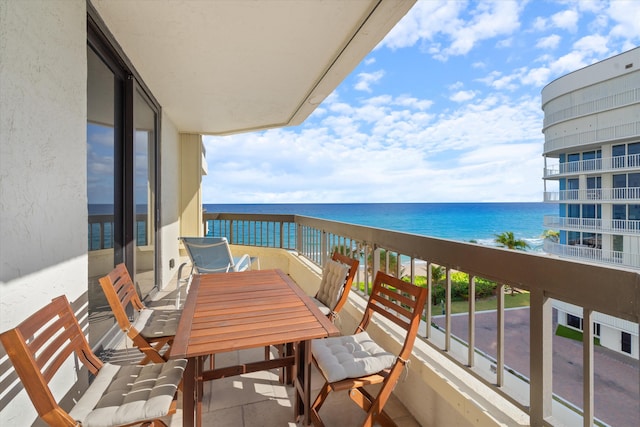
152,329
354,361
118,395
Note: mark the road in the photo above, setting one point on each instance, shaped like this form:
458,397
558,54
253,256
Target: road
616,376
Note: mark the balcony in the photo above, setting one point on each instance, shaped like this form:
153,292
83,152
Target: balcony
594,195
501,371
586,253
595,225
593,166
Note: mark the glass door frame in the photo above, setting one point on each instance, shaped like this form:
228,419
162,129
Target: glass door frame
103,43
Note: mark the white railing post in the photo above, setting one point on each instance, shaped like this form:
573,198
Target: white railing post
472,320
540,358
447,312
429,301
587,367
500,337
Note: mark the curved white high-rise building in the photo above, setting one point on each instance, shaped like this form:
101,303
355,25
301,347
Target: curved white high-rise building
592,156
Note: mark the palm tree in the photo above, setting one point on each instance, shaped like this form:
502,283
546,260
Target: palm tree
393,262
508,240
551,235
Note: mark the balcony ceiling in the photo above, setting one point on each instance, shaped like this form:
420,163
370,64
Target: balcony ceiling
223,67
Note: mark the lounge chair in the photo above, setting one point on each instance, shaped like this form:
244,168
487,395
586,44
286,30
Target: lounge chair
213,255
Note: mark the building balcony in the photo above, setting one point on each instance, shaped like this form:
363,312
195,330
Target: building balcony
594,195
587,253
593,166
595,225
501,367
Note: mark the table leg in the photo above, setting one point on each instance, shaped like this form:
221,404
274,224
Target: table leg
303,382
188,393
286,374
199,389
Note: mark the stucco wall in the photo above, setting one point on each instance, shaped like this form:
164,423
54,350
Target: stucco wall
43,198
170,199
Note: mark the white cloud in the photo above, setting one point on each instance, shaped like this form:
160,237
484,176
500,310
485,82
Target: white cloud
567,63
626,14
499,81
423,22
489,20
537,77
404,144
430,21
566,20
463,96
594,44
549,42
540,24
365,80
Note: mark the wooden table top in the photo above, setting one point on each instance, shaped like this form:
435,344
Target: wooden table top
235,311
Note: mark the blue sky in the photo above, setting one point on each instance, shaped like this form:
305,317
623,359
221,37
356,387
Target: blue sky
445,109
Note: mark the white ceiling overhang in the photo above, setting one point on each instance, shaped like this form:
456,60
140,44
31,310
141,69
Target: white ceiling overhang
227,66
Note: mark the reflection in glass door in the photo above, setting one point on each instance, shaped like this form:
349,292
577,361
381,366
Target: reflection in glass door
144,193
121,183
102,88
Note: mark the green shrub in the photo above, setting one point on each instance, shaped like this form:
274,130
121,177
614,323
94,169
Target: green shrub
460,288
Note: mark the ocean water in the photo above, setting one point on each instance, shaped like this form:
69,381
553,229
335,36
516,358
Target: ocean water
455,221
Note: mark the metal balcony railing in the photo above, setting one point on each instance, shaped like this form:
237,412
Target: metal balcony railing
398,253
596,225
101,231
590,166
594,195
586,253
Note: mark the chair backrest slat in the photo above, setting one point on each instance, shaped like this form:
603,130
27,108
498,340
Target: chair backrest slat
51,357
39,346
120,292
403,306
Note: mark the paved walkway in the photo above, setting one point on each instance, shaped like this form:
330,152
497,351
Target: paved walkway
616,376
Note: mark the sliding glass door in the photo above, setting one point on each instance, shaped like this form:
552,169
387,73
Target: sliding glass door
122,179
144,192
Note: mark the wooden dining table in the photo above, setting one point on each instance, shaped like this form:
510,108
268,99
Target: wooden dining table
251,309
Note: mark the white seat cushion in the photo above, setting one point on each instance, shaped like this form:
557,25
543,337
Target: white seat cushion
121,395
350,356
333,277
157,323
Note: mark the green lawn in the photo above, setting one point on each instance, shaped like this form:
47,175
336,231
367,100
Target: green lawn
570,333
520,299
510,301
